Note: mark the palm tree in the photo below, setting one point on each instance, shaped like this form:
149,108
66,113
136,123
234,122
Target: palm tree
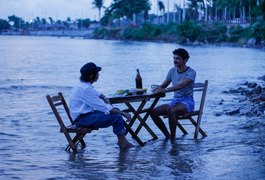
51,20
161,8
126,8
98,4
167,11
194,6
184,10
177,10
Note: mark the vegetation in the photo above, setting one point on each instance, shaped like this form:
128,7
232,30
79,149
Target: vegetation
185,32
206,21
210,21
125,8
98,4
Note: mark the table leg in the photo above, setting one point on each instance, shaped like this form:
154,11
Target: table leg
128,129
145,118
135,113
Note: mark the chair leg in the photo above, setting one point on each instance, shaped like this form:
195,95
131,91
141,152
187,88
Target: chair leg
71,143
81,140
181,128
197,129
78,138
82,143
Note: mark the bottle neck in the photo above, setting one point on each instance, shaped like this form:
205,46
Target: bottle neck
137,72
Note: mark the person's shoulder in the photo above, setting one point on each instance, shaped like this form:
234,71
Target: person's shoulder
84,85
191,70
172,69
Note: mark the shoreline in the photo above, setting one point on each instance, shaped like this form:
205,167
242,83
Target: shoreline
250,101
89,34
196,43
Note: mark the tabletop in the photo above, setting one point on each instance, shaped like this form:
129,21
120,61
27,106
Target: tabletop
135,98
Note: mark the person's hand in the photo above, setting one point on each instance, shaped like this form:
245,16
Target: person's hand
106,100
127,116
160,90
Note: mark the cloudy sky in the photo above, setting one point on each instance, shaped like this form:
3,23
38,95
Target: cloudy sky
57,9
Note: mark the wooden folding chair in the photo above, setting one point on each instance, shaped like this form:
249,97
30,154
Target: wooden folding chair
59,107
198,88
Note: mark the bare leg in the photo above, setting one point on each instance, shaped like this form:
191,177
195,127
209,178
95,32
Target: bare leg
123,142
158,111
173,112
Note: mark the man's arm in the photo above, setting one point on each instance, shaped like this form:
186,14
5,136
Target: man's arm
104,98
117,111
163,89
180,85
165,84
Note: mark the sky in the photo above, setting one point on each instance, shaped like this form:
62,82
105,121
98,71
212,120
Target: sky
57,9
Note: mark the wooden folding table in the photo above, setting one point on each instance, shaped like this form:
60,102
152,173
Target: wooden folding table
141,109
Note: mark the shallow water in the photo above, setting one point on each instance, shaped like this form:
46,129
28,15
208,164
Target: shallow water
31,146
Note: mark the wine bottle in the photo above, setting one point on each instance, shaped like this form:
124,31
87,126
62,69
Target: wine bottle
138,80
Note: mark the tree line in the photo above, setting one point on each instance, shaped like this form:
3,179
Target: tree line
190,20
135,13
17,23
194,10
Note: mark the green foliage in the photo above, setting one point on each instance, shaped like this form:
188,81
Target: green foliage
103,33
237,33
121,8
16,20
258,29
98,4
144,32
189,30
202,32
171,29
83,23
213,33
4,25
182,32
133,33
152,30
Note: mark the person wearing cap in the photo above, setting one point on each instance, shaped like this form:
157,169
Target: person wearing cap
182,78
89,108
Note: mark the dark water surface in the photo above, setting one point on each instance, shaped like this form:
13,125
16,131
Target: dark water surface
31,146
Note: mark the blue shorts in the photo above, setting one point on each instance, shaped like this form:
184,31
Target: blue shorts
188,101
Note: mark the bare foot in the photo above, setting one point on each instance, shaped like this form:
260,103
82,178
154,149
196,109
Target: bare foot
123,142
125,145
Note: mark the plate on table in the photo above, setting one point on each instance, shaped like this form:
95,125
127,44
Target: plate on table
141,91
128,92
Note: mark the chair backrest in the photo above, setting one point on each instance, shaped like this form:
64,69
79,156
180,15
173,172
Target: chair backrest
201,87
57,102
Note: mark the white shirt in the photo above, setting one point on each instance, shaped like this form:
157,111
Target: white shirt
85,99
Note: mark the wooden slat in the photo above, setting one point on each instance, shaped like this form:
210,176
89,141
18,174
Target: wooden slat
197,85
58,104
74,129
55,98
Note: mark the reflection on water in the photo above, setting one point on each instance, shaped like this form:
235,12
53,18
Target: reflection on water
30,142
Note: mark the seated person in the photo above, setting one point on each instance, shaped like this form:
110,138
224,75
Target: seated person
91,109
182,78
